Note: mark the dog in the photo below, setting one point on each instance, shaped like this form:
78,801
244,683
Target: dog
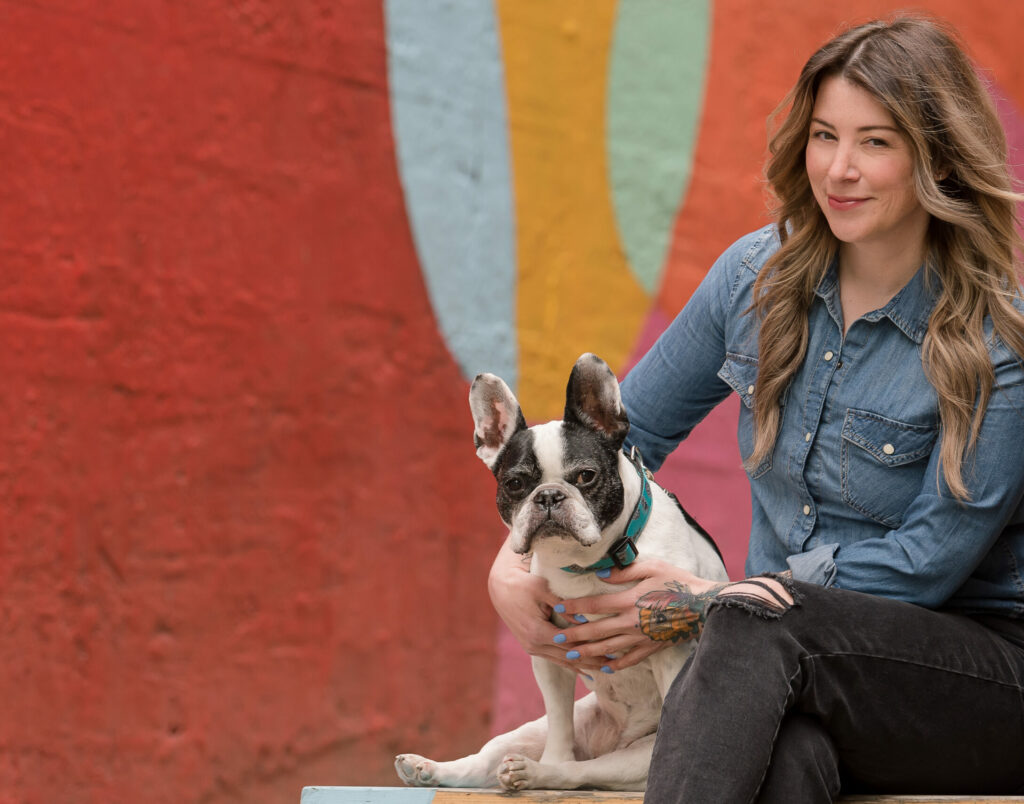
574,499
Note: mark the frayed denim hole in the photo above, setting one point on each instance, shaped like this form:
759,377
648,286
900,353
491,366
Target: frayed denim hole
787,584
751,605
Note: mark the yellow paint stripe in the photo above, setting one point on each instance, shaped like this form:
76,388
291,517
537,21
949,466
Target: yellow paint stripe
575,292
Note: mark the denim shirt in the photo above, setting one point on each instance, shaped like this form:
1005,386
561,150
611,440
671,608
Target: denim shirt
852,494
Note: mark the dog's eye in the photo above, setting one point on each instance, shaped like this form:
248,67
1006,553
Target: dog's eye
513,485
585,477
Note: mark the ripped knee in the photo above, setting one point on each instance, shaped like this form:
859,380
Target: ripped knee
768,596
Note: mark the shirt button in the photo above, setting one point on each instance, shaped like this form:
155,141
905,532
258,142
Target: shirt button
829,355
888,449
750,389
807,436
807,510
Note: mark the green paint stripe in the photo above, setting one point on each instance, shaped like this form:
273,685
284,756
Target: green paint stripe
656,90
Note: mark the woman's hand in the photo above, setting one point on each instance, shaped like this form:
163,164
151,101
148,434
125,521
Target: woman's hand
524,602
666,605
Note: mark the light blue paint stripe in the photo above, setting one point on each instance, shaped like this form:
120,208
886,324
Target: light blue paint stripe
447,92
655,95
367,795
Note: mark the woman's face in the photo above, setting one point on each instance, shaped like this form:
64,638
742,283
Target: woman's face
861,170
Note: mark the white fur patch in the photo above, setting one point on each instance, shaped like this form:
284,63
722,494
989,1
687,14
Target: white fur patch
550,452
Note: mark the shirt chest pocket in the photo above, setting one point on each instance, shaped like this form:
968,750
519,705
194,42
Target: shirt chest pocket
883,464
740,373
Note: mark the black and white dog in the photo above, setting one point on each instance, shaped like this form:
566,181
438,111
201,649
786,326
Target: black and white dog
579,504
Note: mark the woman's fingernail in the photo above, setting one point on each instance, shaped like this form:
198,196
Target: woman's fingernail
560,608
559,638
611,656
579,618
606,669
573,654
603,573
588,678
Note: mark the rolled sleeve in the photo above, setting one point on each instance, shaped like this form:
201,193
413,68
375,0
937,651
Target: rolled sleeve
815,566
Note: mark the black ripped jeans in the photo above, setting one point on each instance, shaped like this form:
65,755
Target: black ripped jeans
843,691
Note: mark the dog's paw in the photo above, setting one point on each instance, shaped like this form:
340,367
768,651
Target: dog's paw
516,772
416,771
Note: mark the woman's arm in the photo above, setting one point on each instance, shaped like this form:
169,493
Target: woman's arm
676,383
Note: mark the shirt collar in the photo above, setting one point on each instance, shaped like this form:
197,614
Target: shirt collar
909,309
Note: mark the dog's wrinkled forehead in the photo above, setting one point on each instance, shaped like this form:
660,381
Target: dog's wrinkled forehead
548,451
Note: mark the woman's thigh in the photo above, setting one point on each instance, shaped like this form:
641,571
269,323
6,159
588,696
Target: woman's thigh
914,700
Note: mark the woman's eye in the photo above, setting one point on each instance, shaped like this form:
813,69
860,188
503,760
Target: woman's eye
585,477
874,142
821,134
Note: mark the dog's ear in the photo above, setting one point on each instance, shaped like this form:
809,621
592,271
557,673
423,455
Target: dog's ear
496,417
592,399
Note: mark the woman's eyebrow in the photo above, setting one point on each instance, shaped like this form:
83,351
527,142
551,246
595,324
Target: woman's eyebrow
882,126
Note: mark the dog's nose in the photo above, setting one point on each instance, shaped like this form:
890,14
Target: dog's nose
548,498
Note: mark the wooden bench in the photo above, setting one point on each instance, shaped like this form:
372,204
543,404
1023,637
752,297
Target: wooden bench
429,795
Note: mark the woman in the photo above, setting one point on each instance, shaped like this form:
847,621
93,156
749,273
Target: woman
874,334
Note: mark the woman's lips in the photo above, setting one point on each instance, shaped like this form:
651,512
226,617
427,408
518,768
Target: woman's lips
841,202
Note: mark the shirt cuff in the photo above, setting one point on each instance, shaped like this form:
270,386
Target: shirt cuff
815,566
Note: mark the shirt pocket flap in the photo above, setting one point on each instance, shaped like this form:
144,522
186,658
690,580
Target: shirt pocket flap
741,374
891,442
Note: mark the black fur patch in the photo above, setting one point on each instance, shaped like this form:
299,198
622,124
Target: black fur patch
584,448
518,462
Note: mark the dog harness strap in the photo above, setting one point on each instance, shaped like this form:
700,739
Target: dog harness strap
624,552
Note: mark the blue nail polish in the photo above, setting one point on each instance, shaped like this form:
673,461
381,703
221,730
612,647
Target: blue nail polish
579,618
606,669
559,608
603,573
573,654
588,678
559,638
611,656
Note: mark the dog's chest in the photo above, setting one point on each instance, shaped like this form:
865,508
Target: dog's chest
630,698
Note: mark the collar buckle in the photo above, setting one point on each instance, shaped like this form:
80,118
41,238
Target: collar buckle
623,552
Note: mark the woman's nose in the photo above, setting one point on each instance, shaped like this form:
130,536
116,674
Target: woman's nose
843,167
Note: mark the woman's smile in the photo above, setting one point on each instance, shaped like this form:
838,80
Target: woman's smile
845,202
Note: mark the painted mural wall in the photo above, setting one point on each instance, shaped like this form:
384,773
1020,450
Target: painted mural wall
251,254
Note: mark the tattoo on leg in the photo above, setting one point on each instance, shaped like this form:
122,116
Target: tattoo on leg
675,614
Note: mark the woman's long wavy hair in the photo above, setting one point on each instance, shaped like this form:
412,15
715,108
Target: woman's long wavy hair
917,70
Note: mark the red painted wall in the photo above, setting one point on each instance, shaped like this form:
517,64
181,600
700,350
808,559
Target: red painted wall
239,498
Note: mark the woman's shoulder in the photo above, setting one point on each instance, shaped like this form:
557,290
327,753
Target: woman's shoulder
753,249
1004,358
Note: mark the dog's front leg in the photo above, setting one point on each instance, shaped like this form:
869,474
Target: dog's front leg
557,686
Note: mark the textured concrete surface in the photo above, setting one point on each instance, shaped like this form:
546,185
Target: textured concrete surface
244,535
